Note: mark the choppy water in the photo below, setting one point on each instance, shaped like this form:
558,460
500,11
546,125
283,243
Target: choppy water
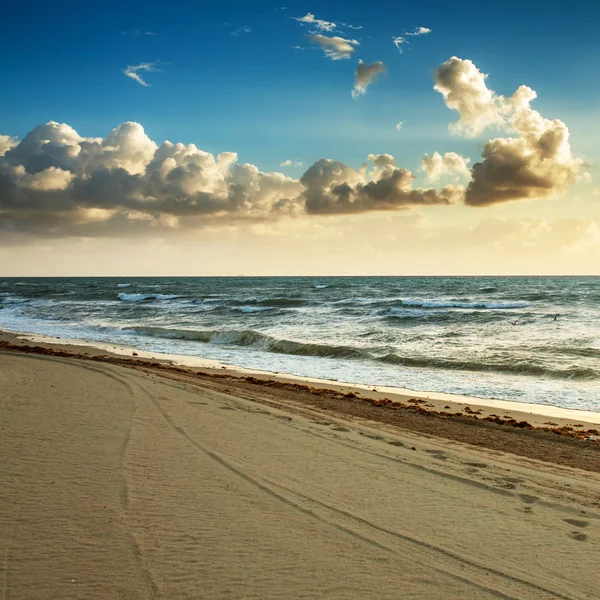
492,337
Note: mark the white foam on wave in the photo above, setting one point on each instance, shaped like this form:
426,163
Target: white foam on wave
142,297
251,309
124,284
13,300
455,304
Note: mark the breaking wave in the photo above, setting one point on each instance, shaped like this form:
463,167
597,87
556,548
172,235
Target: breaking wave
143,297
267,343
467,304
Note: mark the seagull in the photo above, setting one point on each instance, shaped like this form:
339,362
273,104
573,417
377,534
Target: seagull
515,322
555,317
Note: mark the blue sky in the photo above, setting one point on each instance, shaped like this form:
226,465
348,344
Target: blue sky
255,94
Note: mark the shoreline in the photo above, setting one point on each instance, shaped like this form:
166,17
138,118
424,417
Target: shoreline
539,416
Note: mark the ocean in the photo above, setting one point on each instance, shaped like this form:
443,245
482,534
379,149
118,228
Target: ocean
525,339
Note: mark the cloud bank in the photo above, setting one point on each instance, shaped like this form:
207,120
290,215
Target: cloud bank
56,182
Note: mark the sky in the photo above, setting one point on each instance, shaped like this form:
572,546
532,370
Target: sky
299,139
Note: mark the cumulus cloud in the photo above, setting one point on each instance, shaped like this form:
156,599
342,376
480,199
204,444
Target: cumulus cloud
418,31
57,182
399,125
332,187
450,164
319,24
132,72
335,47
364,76
536,163
6,143
398,41
464,89
290,163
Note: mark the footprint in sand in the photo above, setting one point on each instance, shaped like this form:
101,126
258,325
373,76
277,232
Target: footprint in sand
373,436
339,428
577,523
396,443
513,479
527,498
477,464
226,408
439,454
577,535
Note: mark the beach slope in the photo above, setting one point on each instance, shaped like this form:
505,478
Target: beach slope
123,483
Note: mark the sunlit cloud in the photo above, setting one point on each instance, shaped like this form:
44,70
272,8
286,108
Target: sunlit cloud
418,31
536,163
450,164
364,75
336,48
399,125
318,24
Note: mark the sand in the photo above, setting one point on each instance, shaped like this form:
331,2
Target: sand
122,482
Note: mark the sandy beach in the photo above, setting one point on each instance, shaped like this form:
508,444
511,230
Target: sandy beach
126,479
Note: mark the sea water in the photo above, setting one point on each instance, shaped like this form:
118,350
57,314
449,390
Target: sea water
527,339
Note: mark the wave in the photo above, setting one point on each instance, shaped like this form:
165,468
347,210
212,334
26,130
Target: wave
460,304
250,309
249,337
124,284
143,297
274,302
13,300
321,286
518,368
488,289
267,343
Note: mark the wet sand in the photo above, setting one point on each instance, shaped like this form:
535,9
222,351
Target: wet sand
125,479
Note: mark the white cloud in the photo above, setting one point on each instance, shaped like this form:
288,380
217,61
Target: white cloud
6,143
336,48
537,163
132,72
398,41
364,76
399,125
319,24
332,187
57,182
464,89
450,165
239,30
290,163
419,31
